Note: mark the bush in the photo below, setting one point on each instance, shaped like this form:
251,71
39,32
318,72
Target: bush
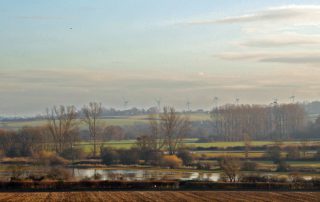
171,161
151,157
283,166
278,179
253,178
109,156
249,166
296,178
317,155
51,159
128,157
17,173
75,153
274,154
186,156
293,152
230,167
59,174
204,165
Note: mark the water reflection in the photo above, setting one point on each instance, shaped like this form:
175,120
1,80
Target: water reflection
144,175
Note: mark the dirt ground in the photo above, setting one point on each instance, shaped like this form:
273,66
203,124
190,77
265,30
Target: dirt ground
132,196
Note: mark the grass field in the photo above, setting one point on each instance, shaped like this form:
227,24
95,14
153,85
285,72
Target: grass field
146,196
119,120
192,142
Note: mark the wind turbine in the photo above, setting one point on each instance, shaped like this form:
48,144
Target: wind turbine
237,101
158,101
215,102
292,98
125,103
188,104
275,101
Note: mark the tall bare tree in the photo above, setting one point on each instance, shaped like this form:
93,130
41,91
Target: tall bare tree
91,114
247,144
156,140
174,128
62,125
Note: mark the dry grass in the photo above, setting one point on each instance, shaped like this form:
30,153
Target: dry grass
123,196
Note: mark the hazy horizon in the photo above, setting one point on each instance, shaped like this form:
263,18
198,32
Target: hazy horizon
75,52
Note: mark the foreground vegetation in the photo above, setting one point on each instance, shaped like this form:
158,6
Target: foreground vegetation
146,196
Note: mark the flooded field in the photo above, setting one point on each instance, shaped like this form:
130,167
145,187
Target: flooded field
111,174
145,175
133,174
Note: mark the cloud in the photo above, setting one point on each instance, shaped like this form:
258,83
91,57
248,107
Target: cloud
41,17
285,39
295,13
290,57
34,90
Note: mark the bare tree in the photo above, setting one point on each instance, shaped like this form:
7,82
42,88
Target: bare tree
156,140
247,145
92,113
62,125
174,128
230,167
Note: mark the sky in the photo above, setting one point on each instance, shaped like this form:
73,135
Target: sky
78,51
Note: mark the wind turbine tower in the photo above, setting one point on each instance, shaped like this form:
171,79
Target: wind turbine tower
292,98
216,102
158,101
125,103
237,101
188,105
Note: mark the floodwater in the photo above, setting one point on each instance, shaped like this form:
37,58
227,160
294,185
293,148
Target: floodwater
6,172
112,174
144,175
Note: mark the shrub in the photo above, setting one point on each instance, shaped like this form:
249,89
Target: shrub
73,153
283,166
186,156
16,173
278,179
151,157
204,165
130,156
51,159
274,154
296,178
317,155
97,176
249,166
171,161
230,167
109,156
59,174
293,152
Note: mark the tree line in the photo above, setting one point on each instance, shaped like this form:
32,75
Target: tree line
233,122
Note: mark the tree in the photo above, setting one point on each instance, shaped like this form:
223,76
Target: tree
186,156
109,156
113,133
174,128
247,145
293,152
171,161
274,153
91,114
62,125
156,141
230,167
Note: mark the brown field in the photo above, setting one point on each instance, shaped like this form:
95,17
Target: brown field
132,196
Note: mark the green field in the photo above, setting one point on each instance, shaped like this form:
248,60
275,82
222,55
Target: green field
117,120
191,142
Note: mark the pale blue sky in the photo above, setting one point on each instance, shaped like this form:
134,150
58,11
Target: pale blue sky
76,51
